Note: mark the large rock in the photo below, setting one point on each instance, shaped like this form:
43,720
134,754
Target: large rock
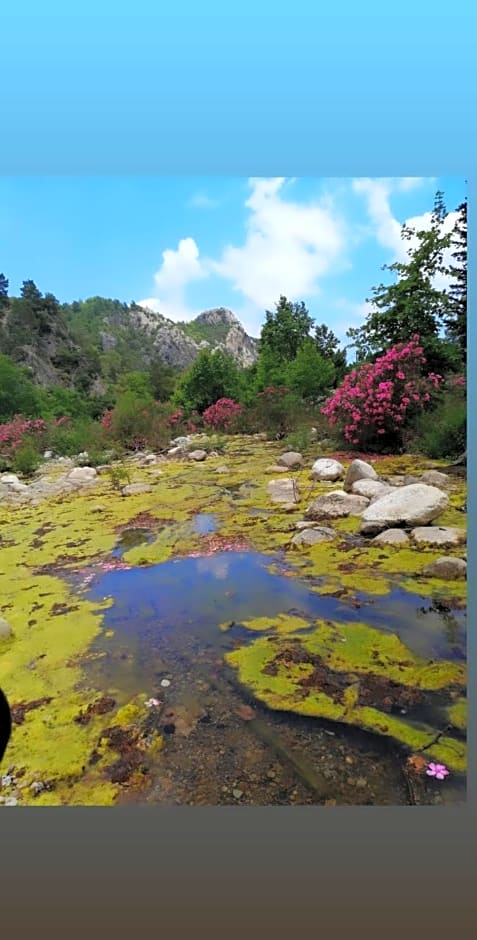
436,478
438,535
133,489
372,489
336,506
447,568
283,491
412,505
327,469
5,629
314,536
392,537
358,470
291,459
80,476
197,455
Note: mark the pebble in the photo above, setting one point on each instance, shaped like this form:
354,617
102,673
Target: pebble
237,794
165,683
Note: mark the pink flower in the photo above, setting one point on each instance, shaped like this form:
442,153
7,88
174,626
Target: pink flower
439,771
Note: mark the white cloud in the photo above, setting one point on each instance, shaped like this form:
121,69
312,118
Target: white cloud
178,269
289,247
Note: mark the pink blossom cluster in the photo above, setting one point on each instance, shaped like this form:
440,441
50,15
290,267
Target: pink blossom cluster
377,399
13,432
222,415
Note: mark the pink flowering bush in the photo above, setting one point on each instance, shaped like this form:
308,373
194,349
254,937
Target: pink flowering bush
223,415
14,433
376,402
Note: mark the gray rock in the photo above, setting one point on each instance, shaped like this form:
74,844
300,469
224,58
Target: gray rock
291,459
336,506
223,468
392,537
283,491
436,478
198,455
412,505
276,468
133,489
314,536
372,489
447,568
358,470
327,469
438,535
9,479
5,630
80,476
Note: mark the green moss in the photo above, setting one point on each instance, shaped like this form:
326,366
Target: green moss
280,623
280,671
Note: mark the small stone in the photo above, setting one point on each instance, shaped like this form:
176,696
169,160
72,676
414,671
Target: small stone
165,683
361,782
391,537
436,478
313,536
237,794
447,568
291,460
133,489
438,535
198,455
358,470
5,629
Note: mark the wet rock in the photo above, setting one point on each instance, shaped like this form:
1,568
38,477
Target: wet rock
447,568
336,506
198,455
411,505
132,489
372,489
438,535
314,536
5,630
436,478
392,537
291,459
283,491
80,476
358,470
327,469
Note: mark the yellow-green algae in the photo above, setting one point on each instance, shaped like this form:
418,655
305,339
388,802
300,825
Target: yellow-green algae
44,657
280,623
352,652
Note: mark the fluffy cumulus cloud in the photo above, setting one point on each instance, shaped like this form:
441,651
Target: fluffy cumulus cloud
288,248
386,228
179,268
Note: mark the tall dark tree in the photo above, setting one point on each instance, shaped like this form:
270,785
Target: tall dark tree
3,291
329,347
286,329
413,303
456,317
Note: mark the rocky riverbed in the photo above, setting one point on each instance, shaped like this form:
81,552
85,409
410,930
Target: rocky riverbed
251,626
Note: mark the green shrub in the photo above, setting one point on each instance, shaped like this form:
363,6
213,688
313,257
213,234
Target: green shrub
300,440
443,432
119,475
26,458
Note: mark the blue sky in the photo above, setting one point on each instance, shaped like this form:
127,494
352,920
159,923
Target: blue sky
183,245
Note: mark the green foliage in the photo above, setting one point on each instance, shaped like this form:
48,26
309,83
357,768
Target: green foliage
18,395
211,376
456,316
137,383
309,374
412,304
69,439
119,476
26,458
56,402
286,329
328,345
162,379
444,432
300,440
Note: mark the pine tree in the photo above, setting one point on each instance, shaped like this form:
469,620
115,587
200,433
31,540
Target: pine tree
456,318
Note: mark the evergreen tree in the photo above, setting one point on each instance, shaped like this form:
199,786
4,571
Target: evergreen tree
456,317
